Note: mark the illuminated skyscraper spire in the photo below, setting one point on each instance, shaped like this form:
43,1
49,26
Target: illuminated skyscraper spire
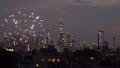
61,39
60,26
60,29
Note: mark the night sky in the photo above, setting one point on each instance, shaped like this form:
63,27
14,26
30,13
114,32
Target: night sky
82,18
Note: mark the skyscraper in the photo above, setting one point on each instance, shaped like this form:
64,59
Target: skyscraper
100,38
61,40
60,29
47,38
68,39
114,42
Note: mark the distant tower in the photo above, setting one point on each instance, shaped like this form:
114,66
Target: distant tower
68,39
61,41
39,42
114,42
68,35
100,38
28,47
60,29
5,40
47,38
5,36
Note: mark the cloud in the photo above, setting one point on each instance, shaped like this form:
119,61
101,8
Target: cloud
95,2
81,2
6,5
113,30
103,2
43,5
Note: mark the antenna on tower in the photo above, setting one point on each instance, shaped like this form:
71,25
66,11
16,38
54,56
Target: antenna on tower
60,19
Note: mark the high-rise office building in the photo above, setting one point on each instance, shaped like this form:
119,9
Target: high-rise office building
61,40
60,30
68,39
100,38
114,42
5,36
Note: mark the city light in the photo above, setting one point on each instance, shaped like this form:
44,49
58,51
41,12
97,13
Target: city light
37,65
53,60
58,60
10,50
91,58
49,60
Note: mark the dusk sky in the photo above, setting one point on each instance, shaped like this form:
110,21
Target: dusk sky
82,18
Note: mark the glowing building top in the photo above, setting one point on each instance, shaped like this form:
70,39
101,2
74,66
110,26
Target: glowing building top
60,26
60,29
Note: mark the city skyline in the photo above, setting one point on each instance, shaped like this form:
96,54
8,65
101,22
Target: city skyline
82,18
